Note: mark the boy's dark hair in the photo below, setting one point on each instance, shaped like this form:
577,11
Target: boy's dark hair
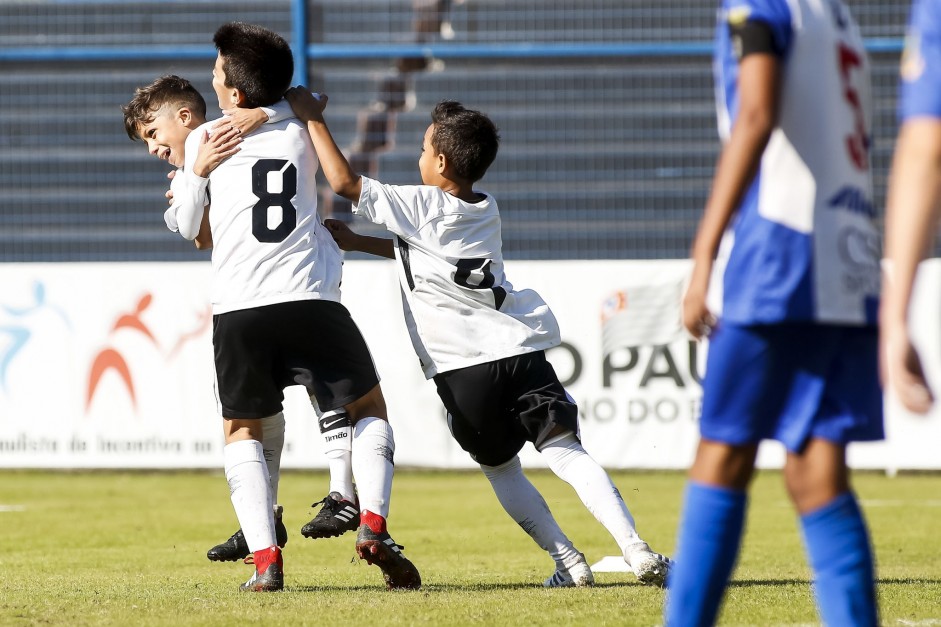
256,61
468,139
166,90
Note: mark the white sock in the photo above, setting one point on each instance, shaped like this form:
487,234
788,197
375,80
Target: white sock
338,448
373,450
250,491
273,445
571,463
525,505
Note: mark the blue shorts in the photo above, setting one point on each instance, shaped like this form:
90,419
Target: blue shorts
791,383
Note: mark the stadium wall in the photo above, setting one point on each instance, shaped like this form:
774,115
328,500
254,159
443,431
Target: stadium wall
110,366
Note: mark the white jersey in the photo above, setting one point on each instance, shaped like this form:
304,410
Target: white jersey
276,113
459,307
269,245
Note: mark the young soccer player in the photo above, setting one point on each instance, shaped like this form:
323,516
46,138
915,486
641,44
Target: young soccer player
277,316
914,209
482,341
162,115
793,354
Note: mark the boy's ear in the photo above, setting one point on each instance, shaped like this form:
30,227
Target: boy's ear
441,163
185,116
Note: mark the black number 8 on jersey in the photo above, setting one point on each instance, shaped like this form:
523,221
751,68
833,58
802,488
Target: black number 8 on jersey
267,199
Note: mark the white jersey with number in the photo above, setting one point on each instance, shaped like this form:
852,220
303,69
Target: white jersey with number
459,307
806,247
269,245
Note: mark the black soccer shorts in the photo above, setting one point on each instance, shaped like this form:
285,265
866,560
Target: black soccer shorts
314,343
496,407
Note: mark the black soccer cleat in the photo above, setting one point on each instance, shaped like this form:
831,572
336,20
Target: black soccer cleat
336,517
236,548
380,549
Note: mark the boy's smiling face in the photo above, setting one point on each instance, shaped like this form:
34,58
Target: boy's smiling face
166,134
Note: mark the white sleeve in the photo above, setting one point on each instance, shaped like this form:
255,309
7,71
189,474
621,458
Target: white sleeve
278,112
169,216
190,194
399,208
193,200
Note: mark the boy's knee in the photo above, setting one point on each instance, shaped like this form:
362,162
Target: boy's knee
373,403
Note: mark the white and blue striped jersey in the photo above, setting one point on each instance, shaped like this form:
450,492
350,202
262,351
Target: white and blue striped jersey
921,64
460,309
804,246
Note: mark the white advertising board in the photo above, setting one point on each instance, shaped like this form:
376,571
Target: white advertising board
110,366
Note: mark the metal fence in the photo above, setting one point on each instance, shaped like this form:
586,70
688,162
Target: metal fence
605,108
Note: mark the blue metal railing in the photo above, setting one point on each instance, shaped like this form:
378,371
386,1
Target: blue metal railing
440,51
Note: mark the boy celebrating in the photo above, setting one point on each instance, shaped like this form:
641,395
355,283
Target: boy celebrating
794,356
482,341
162,115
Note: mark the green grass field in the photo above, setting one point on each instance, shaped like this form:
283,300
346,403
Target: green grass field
129,549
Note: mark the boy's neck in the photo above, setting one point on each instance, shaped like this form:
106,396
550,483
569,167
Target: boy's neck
195,123
462,192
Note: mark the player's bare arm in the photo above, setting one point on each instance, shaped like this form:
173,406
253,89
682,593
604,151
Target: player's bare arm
215,148
336,168
759,83
243,120
349,240
911,216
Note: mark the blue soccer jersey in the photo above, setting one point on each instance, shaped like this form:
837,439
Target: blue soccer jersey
921,63
804,245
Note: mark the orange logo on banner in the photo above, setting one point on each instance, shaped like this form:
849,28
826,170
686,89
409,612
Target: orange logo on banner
111,360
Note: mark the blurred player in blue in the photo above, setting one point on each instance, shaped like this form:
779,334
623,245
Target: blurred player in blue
793,354
912,214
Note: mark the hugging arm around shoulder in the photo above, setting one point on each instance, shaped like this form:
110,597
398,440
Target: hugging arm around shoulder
190,193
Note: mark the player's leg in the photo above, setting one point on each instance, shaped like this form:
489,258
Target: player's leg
339,510
816,475
248,389
484,428
339,370
250,491
273,445
835,534
528,509
743,390
710,532
235,548
373,451
373,469
550,417
567,458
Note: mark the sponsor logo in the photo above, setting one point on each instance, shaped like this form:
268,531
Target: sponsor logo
326,424
853,200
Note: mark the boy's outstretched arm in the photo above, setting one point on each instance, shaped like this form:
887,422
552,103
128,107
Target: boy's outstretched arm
336,168
911,220
758,84
347,239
